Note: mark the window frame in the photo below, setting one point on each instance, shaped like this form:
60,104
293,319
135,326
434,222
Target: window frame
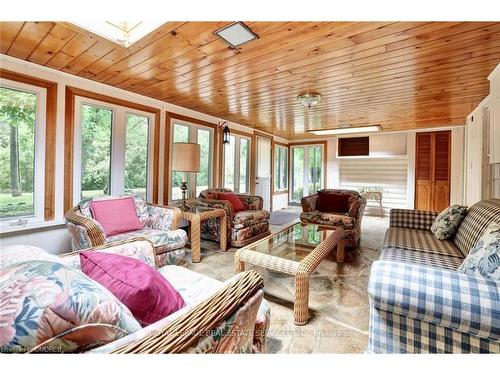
323,178
236,175
192,132
118,145
39,154
277,177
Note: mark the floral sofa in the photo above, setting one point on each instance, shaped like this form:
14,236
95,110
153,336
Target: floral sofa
160,226
419,301
244,227
350,221
48,305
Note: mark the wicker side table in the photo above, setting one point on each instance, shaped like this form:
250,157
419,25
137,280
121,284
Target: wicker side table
195,217
301,270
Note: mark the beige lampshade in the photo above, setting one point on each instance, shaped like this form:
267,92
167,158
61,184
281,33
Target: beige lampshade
186,157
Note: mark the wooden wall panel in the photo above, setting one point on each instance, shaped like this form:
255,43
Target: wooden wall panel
355,146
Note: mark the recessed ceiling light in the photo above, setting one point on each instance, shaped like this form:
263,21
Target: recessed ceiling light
236,34
360,129
124,33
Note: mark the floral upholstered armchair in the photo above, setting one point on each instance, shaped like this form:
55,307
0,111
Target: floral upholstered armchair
159,226
350,220
244,227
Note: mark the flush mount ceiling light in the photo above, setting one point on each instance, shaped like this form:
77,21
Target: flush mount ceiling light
236,34
347,130
124,33
309,100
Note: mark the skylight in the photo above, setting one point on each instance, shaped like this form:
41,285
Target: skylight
124,33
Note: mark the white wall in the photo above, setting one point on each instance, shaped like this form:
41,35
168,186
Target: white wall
385,167
457,166
280,201
53,236
391,151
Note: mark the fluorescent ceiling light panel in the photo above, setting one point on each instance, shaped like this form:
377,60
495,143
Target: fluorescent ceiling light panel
360,129
124,33
236,34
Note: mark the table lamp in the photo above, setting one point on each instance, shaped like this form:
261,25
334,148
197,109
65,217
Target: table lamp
185,158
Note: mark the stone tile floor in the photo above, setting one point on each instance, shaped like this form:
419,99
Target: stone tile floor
338,301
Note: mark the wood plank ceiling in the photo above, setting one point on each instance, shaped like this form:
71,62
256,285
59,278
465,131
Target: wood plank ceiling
401,75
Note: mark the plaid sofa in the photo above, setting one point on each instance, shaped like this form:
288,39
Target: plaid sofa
419,303
349,221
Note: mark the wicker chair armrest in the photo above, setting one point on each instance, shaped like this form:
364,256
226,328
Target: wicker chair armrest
171,223
252,202
217,203
185,331
92,227
411,219
309,203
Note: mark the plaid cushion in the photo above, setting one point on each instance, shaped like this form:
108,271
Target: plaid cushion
419,240
411,219
393,333
446,298
421,257
478,218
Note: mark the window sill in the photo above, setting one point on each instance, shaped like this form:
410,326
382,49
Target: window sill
30,226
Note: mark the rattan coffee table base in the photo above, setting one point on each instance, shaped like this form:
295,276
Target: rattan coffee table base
301,270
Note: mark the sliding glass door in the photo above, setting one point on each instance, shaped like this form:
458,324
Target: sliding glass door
307,170
237,164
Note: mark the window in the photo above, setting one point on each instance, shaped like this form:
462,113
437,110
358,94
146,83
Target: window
307,170
136,154
112,150
95,166
237,164
280,168
188,132
22,152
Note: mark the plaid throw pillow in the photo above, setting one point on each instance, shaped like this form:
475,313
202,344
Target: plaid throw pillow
484,258
447,222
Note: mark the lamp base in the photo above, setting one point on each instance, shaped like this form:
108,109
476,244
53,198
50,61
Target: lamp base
183,206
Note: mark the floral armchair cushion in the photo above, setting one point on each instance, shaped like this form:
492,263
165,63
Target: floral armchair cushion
251,202
355,201
150,216
49,306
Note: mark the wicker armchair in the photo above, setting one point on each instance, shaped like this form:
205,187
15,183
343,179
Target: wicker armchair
73,316
160,226
229,317
244,227
350,221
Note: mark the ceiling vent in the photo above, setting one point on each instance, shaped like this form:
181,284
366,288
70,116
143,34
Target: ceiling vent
236,34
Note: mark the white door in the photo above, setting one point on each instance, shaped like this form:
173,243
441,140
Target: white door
263,172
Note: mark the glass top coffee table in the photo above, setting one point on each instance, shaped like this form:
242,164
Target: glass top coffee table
296,250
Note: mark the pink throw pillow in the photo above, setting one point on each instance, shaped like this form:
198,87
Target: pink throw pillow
233,199
147,294
116,215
